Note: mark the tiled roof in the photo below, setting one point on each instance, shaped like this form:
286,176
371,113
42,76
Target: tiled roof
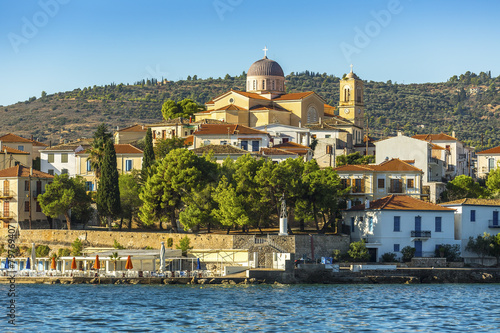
293,96
211,129
250,95
436,147
210,102
85,143
230,107
189,140
127,149
473,202
220,149
290,145
435,137
329,110
133,128
395,165
10,150
267,107
9,137
401,202
22,171
276,151
495,150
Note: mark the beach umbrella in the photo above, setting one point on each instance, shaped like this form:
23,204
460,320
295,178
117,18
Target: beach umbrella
73,263
97,264
162,257
128,264
28,263
33,256
198,264
53,263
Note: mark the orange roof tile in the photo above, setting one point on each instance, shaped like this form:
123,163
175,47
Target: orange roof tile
435,147
250,95
210,102
329,110
275,151
230,107
133,128
189,140
22,171
494,150
473,202
401,202
10,150
9,137
127,149
211,129
290,145
435,137
395,165
293,96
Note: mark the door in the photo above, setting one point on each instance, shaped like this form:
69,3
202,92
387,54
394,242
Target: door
418,226
5,209
244,145
373,254
495,218
255,145
6,188
418,249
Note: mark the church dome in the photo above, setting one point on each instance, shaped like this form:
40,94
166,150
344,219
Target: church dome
351,75
265,67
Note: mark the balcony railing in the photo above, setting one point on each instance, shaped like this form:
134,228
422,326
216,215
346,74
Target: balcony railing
37,193
7,215
493,224
421,234
7,194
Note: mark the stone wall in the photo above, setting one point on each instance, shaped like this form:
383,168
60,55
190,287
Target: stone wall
323,245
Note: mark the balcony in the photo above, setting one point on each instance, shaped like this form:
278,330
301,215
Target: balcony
421,234
7,215
37,193
7,194
462,157
493,224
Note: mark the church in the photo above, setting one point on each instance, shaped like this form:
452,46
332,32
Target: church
265,102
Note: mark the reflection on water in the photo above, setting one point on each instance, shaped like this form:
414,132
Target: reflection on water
263,308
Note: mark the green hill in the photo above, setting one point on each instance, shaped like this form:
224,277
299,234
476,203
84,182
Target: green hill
455,105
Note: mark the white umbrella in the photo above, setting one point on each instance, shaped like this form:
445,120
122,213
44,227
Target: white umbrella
162,257
33,257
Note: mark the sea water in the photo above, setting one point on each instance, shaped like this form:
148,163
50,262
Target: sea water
254,308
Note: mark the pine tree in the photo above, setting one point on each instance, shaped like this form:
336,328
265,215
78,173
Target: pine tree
108,192
148,155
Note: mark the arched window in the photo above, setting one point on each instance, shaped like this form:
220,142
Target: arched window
358,95
312,115
273,84
254,85
263,84
347,94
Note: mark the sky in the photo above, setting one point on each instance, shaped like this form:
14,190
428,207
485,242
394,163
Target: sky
61,45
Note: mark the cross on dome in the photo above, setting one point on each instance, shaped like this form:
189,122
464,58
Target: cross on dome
265,51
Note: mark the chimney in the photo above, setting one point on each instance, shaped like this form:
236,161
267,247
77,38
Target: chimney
367,204
320,120
117,128
190,119
453,134
31,171
400,133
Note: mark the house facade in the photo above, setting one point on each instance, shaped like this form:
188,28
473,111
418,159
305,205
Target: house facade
240,136
487,161
474,217
32,147
19,188
62,159
130,134
10,157
390,224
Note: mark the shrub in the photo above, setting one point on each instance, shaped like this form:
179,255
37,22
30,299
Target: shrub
389,257
170,242
408,252
62,252
42,251
77,247
117,245
184,245
448,251
358,251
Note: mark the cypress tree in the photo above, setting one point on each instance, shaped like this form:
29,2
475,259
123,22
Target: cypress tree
148,155
108,192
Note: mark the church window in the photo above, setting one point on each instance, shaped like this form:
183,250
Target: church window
312,115
254,84
358,93
347,94
263,84
273,84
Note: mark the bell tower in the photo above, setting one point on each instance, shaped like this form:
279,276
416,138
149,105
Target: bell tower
351,101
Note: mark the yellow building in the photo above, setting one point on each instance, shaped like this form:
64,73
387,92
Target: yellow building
10,157
351,105
265,101
32,147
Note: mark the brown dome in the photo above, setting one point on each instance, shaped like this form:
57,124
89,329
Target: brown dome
265,67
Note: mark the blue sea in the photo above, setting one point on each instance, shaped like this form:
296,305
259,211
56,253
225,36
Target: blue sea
254,308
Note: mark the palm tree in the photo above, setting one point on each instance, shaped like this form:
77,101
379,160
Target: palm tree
114,258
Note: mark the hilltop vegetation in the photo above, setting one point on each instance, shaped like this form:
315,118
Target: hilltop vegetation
454,105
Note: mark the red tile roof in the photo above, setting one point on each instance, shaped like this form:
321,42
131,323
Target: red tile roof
329,110
13,151
394,164
211,129
401,202
491,151
473,202
435,137
22,171
229,107
290,145
127,149
9,137
250,95
189,140
133,128
276,151
293,96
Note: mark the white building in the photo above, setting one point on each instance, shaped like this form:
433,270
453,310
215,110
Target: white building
240,136
62,158
474,217
487,160
394,222
285,133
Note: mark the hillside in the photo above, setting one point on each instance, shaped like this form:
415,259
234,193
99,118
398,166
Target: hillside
413,108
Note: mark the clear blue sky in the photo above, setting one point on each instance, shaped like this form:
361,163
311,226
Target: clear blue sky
60,45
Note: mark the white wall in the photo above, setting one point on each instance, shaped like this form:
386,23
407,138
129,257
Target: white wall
57,165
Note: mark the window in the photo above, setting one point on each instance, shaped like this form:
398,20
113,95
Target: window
381,183
438,224
38,208
21,148
50,172
359,186
473,215
491,164
128,165
26,185
370,223
89,166
89,186
273,84
396,247
254,84
397,223
64,158
244,145
255,145
329,149
396,186
352,224
358,95
410,183
346,182
50,158
64,171
185,133
263,84
26,206
328,136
